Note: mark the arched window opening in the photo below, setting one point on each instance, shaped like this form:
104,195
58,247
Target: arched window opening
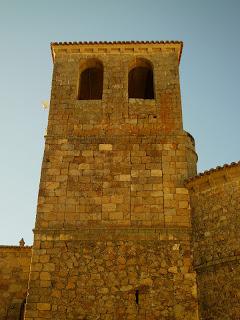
140,81
137,296
91,82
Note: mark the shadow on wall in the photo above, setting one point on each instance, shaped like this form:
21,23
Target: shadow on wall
16,310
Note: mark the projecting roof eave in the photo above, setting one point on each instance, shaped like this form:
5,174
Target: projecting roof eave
212,171
177,45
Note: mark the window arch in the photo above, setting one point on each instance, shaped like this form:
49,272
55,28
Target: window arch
140,80
91,80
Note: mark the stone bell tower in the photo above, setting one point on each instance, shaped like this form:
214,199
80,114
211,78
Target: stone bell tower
112,233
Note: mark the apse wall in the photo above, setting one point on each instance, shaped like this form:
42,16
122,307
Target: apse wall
215,203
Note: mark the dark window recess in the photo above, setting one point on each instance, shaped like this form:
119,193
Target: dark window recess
137,296
91,84
140,83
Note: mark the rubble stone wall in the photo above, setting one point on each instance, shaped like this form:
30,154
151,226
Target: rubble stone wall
110,278
215,202
14,275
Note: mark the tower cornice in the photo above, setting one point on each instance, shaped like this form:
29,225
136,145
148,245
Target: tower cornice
114,47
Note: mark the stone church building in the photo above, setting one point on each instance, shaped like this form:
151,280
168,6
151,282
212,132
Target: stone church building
125,227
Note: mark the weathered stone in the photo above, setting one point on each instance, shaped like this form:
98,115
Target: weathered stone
43,306
173,269
105,147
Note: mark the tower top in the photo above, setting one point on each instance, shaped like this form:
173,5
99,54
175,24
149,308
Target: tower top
115,47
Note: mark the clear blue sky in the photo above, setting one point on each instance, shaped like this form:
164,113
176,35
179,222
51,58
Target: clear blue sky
210,80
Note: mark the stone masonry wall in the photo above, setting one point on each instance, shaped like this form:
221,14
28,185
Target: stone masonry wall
115,114
14,275
215,202
115,181
99,278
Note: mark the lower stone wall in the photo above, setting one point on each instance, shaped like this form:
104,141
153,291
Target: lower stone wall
90,279
14,275
219,291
